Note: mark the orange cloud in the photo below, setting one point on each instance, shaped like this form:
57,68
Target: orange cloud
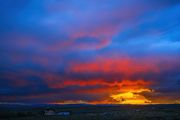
124,92
132,97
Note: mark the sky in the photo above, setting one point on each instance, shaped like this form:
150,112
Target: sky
90,51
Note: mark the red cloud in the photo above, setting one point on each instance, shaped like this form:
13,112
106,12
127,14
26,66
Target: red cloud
59,83
125,66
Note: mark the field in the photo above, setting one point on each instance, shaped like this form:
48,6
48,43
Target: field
93,112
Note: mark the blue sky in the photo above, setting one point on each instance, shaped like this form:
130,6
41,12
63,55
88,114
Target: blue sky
82,50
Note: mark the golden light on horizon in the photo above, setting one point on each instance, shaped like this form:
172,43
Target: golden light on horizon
132,97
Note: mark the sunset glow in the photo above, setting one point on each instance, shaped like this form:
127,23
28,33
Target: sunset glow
90,51
131,98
